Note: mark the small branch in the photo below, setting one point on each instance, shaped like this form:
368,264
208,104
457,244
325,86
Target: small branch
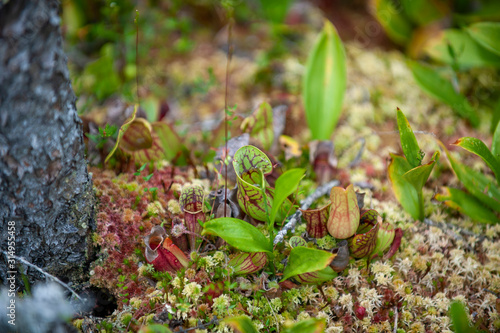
304,204
395,319
24,261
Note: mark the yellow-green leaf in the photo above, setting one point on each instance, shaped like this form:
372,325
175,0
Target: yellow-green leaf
409,143
324,83
478,147
304,260
405,192
241,324
487,34
396,25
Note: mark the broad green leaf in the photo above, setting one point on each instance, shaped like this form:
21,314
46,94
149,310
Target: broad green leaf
316,220
418,176
246,263
275,10
409,142
122,130
438,87
324,83
468,53
316,277
487,34
396,25
423,12
304,260
286,184
478,147
363,242
191,202
260,125
476,183
241,324
406,193
343,220
495,145
238,233
170,141
385,237
460,319
312,325
468,205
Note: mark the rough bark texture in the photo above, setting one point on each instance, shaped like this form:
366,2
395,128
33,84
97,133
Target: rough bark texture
44,184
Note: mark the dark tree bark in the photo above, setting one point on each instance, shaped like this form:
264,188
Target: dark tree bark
44,184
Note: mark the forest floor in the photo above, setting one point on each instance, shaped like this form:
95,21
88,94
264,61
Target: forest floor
444,258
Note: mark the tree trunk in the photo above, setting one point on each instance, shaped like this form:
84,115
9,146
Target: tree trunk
45,188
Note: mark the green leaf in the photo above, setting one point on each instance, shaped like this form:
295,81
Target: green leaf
343,220
423,12
363,242
418,176
260,125
312,325
478,147
238,233
487,34
460,319
286,184
409,142
324,83
275,10
495,145
397,26
440,88
405,192
468,205
468,52
304,260
241,324
476,183
122,131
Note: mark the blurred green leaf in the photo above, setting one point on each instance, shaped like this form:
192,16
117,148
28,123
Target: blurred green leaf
99,77
260,125
324,83
405,192
487,34
304,260
170,141
409,143
155,328
241,324
275,10
238,233
478,147
312,325
441,89
286,184
423,12
468,52
476,183
468,205
397,25
495,145
460,319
